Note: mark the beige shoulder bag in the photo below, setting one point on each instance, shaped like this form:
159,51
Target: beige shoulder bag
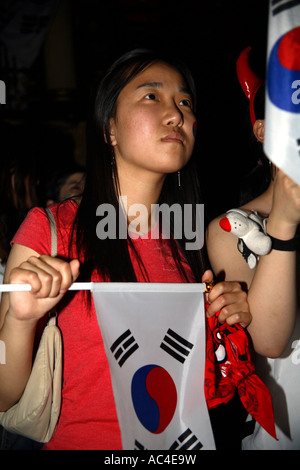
36,413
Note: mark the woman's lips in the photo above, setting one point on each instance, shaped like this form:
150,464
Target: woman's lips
174,137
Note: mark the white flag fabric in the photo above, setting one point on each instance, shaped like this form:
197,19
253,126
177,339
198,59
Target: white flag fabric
154,337
282,117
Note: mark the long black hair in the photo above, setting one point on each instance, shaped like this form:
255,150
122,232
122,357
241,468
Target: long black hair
111,256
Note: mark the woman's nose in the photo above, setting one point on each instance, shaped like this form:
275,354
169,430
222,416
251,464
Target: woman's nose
174,116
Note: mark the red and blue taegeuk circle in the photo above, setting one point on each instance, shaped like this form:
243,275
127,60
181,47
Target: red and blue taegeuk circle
283,74
154,397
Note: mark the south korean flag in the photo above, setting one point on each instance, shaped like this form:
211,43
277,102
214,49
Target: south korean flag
282,117
154,336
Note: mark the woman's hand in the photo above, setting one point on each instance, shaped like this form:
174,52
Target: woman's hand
230,300
49,279
285,213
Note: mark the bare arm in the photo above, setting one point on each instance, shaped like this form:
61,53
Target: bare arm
272,284
20,312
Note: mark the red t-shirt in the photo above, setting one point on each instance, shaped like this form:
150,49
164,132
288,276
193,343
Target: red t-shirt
88,417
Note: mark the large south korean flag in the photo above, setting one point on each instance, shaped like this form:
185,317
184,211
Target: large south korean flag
154,336
282,118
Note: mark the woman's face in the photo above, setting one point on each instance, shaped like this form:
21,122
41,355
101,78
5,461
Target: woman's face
153,129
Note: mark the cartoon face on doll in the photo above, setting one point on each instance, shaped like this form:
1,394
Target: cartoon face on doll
250,233
235,223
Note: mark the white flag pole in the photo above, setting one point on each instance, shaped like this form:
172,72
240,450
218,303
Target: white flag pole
27,287
115,286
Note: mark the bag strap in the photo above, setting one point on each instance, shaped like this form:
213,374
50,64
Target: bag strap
53,232
52,318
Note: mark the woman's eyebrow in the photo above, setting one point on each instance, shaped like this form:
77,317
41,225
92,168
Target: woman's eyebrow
151,85
160,85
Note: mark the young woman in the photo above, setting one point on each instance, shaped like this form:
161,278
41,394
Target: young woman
140,135
271,284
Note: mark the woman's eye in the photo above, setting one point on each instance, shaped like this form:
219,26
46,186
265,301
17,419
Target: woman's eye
150,96
186,102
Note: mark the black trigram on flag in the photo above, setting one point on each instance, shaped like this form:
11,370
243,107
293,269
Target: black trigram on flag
123,347
187,441
138,445
176,346
280,5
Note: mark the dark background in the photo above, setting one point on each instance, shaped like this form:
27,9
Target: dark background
51,50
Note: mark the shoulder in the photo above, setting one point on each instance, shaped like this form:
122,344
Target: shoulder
64,212
215,234
34,231
35,220
223,253
218,239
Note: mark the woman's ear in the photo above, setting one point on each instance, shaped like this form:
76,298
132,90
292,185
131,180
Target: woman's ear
259,130
110,138
113,140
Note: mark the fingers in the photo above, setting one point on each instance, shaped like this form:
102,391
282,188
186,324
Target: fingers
74,266
47,276
49,279
286,200
290,185
222,289
229,301
243,318
235,311
208,276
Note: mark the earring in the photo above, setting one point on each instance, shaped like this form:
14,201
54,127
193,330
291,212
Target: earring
178,178
113,175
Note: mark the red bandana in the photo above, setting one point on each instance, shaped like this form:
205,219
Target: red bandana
229,368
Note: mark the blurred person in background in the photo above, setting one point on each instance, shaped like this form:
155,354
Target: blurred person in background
63,184
18,185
